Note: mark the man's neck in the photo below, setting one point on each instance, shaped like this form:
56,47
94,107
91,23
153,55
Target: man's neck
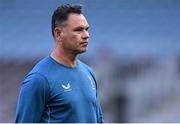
64,58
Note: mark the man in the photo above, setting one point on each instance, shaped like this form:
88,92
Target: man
61,88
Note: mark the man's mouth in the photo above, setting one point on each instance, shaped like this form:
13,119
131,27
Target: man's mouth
84,43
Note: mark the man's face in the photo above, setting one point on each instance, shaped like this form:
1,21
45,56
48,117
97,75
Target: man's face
75,34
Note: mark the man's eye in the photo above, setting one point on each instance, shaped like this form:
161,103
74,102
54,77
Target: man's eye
78,29
87,29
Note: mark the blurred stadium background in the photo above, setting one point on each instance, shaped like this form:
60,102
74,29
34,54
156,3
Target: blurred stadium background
134,50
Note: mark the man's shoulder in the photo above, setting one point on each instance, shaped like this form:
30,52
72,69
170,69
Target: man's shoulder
41,67
85,66
39,72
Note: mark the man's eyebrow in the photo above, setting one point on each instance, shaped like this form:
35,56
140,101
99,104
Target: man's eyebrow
81,28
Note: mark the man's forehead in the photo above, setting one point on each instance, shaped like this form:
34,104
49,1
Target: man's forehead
77,20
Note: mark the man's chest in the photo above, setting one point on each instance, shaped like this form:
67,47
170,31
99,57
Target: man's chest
73,89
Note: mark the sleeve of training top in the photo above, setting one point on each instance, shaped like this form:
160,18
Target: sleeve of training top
100,115
33,97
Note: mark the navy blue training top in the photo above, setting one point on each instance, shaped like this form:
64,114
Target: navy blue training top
53,92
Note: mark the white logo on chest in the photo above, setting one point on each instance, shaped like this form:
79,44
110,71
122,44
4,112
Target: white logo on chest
66,87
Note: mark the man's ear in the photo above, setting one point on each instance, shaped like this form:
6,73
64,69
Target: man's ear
58,34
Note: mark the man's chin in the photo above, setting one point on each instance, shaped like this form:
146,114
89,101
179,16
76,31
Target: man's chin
82,51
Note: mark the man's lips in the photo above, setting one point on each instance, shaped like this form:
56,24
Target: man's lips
84,43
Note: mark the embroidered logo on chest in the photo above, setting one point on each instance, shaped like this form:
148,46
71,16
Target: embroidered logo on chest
66,87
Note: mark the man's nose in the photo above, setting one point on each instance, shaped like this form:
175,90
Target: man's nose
85,35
